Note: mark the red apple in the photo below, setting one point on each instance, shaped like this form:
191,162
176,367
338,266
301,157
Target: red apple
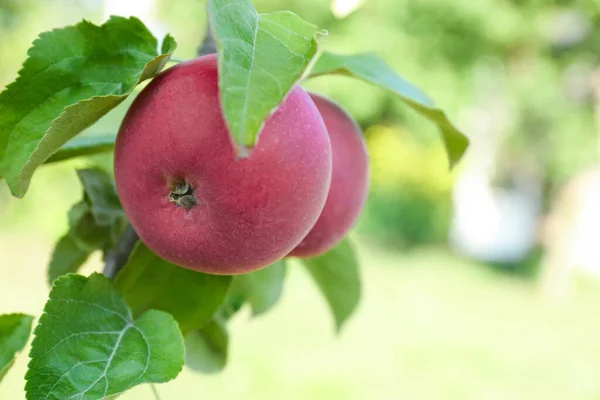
188,197
349,181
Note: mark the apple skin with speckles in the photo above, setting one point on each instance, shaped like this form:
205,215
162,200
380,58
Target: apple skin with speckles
188,197
349,181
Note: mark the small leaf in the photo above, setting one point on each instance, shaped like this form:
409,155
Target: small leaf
206,349
373,69
95,223
101,195
67,257
336,274
72,77
14,332
261,289
83,146
148,281
88,346
261,57
233,303
84,230
102,219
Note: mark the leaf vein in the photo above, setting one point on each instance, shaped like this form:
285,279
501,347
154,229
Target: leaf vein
69,370
226,6
270,21
109,361
124,318
149,351
78,334
245,105
279,88
282,43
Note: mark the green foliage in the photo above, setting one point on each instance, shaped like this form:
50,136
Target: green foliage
95,223
101,196
407,217
410,201
149,282
260,289
87,344
68,256
84,229
373,69
14,332
261,57
83,146
336,274
76,82
207,349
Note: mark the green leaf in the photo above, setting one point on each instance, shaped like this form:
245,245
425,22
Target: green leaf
88,346
336,274
14,332
206,349
148,281
95,223
71,78
67,257
233,303
261,57
84,229
83,146
98,220
373,69
101,195
261,289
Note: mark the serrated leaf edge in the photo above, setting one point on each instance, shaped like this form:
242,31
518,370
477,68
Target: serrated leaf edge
144,74
129,324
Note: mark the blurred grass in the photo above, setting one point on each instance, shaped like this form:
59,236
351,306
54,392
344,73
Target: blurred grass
430,327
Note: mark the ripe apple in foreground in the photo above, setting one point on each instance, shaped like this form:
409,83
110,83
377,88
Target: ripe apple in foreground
187,196
349,181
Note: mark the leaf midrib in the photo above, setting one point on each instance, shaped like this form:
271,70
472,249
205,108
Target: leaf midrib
247,87
45,100
109,361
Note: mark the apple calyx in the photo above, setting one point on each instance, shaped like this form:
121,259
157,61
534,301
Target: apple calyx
183,196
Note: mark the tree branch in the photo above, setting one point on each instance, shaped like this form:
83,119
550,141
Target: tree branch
209,45
117,257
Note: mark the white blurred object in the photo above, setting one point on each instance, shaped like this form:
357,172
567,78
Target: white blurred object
568,27
491,223
494,224
343,8
145,10
139,8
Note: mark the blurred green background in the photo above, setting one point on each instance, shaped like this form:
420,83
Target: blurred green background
480,283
